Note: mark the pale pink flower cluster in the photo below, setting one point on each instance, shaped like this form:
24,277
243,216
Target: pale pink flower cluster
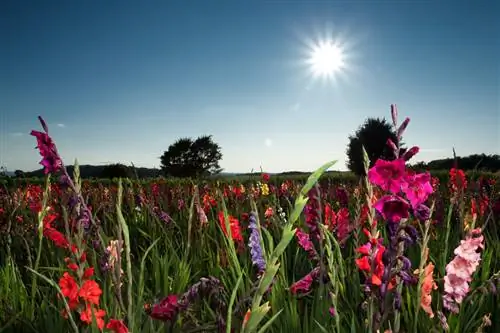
459,271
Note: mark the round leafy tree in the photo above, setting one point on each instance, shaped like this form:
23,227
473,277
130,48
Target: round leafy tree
372,135
192,158
116,171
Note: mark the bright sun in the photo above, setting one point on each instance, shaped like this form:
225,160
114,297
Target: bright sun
326,59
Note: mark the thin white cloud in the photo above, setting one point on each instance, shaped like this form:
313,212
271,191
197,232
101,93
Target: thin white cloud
268,142
17,134
61,125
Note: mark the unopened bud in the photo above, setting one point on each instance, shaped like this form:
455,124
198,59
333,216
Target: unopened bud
402,128
392,145
394,114
411,152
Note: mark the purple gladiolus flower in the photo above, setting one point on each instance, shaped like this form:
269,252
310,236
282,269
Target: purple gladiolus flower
255,245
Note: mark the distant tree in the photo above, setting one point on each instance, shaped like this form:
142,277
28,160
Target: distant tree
116,170
373,135
19,173
481,162
188,158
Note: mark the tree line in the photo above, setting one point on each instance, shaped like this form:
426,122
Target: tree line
200,157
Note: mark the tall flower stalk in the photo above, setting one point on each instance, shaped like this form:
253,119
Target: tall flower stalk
406,192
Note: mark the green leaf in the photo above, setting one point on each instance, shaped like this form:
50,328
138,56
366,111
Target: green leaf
300,203
269,322
231,303
314,177
268,277
270,241
286,238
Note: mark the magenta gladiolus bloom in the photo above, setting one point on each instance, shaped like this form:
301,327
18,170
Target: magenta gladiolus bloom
393,208
51,160
304,240
417,188
389,175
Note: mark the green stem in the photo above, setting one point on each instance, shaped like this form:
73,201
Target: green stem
423,259
399,288
41,217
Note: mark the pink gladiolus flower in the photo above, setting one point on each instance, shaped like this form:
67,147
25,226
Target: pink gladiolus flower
460,270
393,208
304,240
389,175
304,284
417,188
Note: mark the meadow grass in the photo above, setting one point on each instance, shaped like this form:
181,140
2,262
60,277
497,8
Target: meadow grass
161,256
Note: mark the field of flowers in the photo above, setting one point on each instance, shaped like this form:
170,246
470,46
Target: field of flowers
398,251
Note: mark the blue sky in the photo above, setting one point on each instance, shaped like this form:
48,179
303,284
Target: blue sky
119,81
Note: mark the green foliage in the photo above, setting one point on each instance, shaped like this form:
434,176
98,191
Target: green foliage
116,171
481,162
373,136
192,158
163,258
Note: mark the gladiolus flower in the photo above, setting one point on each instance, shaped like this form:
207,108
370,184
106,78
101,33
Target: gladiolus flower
117,326
392,208
90,292
46,146
88,272
86,316
428,285
459,271
389,175
417,188
304,284
304,240
255,245
69,288
165,310
234,224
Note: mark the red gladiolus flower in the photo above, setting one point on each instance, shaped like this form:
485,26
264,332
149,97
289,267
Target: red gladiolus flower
265,177
90,292
234,224
342,224
72,265
88,273
165,310
56,237
393,208
69,288
373,267
458,181
330,217
86,316
389,175
117,326
363,264
365,249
